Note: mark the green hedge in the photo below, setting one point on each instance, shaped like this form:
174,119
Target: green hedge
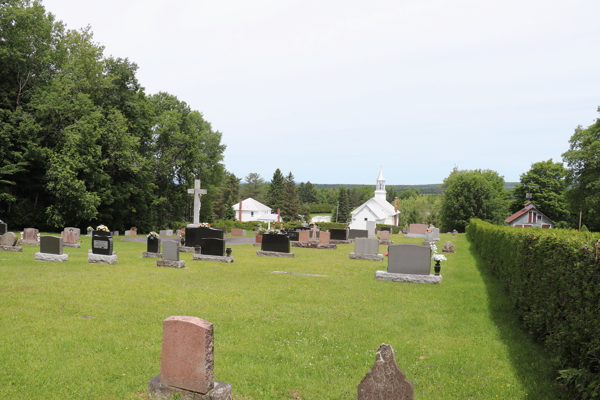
553,279
319,207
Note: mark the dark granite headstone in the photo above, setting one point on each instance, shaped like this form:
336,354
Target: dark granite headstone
194,235
277,243
51,245
153,245
339,234
3,228
102,243
356,233
212,247
385,380
302,228
294,236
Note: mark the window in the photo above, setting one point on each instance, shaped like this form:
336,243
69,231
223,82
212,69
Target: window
539,217
365,219
252,213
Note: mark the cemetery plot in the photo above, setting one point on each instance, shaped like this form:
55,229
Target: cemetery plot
51,249
170,256
409,263
366,249
275,245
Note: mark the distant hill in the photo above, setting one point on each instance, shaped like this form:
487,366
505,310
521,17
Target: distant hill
432,188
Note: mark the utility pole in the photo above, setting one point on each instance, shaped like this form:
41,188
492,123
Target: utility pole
337,210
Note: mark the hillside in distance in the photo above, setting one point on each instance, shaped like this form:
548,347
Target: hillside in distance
433,188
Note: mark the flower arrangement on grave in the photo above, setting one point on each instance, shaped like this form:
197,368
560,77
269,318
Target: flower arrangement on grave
102,228
261,230
133,228
153,235
89,229
273,232
204,225
437,258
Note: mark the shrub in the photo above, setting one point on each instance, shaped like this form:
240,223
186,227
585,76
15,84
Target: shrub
553,279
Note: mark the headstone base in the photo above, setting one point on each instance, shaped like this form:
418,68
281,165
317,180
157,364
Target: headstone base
170,263
51,257
415,235
147,254
386,242
333,241
314,245
274,254
11,248
91,252
187,249
30,242
101,259
157,390
412,278
73,245
361,256
205,257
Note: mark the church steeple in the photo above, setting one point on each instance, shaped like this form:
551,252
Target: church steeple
380,186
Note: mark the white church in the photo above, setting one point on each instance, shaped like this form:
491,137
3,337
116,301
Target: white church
375,209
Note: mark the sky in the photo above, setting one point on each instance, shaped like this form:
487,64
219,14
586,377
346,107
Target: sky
333,91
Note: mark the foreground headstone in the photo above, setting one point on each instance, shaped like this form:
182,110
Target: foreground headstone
3,228
170,256
366,249
408,263
51,249
385,381
275,245
186,364
194,235
8,242
102,248
212,249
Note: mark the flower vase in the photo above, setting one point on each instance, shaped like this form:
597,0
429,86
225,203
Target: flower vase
437,267
228,251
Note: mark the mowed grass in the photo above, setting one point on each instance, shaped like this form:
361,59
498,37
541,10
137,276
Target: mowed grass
84,331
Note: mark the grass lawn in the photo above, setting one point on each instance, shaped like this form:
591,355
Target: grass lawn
76,330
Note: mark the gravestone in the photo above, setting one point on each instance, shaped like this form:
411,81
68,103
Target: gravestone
3,228
51,249
324,237
366,249
30,237
436,234
339,234
384,235
358,233
385,381
197,193
418,228
212,247
409,259
8,242
303,236
454,232
70,239
274,245
193,236
115,233
186,362
152,248
428,238
294,236
166,232
371,228
238,232
170,256
102,243
77,232
130,233
386,228
449,248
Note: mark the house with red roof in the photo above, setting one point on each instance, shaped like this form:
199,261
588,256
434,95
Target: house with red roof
529,217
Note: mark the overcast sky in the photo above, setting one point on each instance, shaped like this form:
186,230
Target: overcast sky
334,90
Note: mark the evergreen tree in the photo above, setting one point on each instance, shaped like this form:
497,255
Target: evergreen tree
228,211
344,206
291,200
254,187
390,194
275,193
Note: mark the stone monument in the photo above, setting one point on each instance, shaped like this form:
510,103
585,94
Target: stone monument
8,242
51,249
385,381
366,249
197,192
170,256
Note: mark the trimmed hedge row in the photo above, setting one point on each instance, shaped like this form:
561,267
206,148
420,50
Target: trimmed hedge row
553,279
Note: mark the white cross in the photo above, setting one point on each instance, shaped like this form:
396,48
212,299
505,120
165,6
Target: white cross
197,192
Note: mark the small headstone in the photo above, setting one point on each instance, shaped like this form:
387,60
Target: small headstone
30,234
385,381
69,237
449,248
166,232
276,243
259,237
436,234
418,228
303,236
116,233
171,251
51,245
8,239
212,247
187,354
77,232
102,243
454,232
366,246
324,237
384,235
153,245
238,232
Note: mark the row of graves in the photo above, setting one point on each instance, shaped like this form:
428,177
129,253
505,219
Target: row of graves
187,367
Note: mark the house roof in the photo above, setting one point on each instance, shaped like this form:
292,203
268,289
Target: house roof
251,205
381,208
528,206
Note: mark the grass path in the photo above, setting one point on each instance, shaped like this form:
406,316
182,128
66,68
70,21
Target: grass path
81,331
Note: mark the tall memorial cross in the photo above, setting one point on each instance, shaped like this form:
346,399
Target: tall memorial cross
197,192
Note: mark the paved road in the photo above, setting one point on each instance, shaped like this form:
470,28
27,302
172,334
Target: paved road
228,240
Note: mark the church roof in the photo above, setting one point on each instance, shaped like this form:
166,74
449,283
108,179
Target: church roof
251,205
380,177
379,207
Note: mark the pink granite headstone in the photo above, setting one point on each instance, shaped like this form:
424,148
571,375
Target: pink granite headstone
31,234
418,228
303,236
324,237
384,235
70,237
187,354
237,232
259,237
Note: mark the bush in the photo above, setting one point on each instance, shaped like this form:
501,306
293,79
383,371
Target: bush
314,208
325,226
553,279
395,229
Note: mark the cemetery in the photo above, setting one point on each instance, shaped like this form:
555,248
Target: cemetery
309,325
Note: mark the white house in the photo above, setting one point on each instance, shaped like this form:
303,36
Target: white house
375,209
529,217
252,210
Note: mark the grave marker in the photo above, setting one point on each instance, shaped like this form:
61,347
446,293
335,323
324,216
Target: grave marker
197,193
51,249
385,381
366,249
170,256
